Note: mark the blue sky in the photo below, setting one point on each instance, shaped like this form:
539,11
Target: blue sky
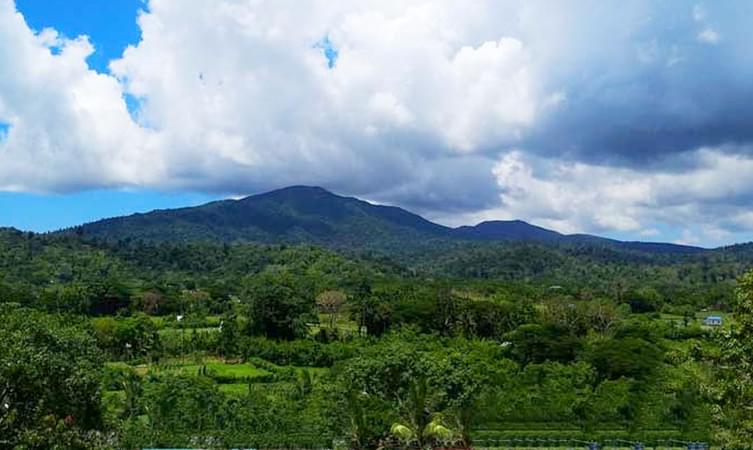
639,126
111,26
53,211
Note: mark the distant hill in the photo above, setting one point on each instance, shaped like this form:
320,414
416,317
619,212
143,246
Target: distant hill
508,230
517,230
305,214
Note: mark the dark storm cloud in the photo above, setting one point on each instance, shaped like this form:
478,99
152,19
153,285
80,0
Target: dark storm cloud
465,184
671,78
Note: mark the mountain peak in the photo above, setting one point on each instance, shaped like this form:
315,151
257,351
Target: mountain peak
517,222
294,191
305,214
314,215
503,230
301,189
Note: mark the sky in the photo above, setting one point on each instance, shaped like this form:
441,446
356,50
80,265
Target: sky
631,120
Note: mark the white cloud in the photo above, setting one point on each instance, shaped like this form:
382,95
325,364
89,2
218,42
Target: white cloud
688,237
237,96
66,123
708,36
577,197
246,86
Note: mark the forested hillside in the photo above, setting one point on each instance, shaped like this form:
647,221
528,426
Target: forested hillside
312,215
297,214
74,266
220,345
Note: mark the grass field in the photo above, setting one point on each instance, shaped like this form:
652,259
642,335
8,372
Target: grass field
215,368
343,324
238,389
697,317
176,332
231,378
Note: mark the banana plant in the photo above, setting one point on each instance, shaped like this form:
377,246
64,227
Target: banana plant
422,427
433,432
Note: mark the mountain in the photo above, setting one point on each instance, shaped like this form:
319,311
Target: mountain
297,214
508,230
313,215
517,230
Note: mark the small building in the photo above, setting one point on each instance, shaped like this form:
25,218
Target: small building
713,321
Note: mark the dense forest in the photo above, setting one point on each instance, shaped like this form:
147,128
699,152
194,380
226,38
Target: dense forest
131,344
303,319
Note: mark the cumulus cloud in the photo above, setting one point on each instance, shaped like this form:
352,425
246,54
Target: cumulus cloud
246,98
703,203
583,116
66,126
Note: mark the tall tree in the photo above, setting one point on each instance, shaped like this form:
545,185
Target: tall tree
733,390
279,306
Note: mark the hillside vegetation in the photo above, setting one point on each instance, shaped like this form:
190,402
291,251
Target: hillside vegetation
110,338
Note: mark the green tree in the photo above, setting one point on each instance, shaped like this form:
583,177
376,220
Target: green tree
229,335
279,306
373,310
126,337
628,357
416,384
534,343
733,390
49,379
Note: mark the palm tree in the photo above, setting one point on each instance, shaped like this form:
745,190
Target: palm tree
422,427
434,432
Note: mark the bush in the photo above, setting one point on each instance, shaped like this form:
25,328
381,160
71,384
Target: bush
307,352
49,379
115,375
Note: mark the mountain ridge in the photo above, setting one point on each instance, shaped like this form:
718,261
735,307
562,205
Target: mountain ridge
314,215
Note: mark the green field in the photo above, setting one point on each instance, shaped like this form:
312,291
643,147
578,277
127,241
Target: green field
697,318
176,332
236,389
211,367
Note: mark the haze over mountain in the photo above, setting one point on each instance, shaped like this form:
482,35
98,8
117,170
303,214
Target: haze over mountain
305,214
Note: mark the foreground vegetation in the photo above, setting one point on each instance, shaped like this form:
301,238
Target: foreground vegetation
134,345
